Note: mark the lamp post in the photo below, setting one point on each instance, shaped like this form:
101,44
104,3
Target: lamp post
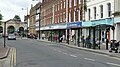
4,34
67,31
26,19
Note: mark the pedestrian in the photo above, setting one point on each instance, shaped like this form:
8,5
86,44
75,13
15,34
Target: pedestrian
88,44
21,36
83,41
60,38
74,39
43,36
98,43
55,37
63,37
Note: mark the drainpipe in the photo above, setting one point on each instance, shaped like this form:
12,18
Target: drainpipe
67,33
106,42
93,37
99,36
78,38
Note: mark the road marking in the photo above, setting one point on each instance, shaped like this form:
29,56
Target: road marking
14,56
73,55
59,51
80,54
89,59
54,49
113,64
115,58
107,56
64,53
103,55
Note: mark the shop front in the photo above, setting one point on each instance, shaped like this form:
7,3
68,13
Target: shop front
52,31
74,32
117,28
98,30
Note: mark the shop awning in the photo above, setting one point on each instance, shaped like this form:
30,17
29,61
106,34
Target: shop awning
107,21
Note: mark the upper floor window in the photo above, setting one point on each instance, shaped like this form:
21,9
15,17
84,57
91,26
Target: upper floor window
79,1
101,11
61,5
64,4
75,2
37,10
109,9
94,12
70,3
55,7
89,14
58,6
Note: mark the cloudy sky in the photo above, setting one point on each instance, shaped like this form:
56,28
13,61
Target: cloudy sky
10,8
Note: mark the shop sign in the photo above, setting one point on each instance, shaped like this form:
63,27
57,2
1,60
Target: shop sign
74,24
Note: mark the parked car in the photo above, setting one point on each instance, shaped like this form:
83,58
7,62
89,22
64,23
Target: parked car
11,37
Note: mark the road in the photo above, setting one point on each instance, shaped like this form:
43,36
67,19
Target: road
33,53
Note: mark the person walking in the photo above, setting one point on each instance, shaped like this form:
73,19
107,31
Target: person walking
83,41
43,36
88,44
98,43
21,36
60,38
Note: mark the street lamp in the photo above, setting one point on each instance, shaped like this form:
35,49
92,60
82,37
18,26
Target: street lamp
26,19
4,34
67,31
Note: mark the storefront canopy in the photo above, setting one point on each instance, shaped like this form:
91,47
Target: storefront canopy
107,21
54,27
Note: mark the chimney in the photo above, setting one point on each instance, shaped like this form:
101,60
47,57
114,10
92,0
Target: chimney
31,5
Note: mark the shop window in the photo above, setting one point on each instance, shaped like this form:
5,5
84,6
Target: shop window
89,12
94,12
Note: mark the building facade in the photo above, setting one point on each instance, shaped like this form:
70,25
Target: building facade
32,20
12,26
57,11
34,24
99,20
61,16
117,19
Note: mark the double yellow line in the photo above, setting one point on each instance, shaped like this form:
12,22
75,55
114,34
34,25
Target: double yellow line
12,57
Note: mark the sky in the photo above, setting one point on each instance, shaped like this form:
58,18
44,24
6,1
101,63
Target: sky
10,8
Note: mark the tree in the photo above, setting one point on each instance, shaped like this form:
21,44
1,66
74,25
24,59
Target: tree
1,18
17,18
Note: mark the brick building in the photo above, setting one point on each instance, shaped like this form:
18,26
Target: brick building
54,12
57,16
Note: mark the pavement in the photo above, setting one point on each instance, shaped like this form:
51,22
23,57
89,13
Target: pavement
7,56
3,52
101,51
